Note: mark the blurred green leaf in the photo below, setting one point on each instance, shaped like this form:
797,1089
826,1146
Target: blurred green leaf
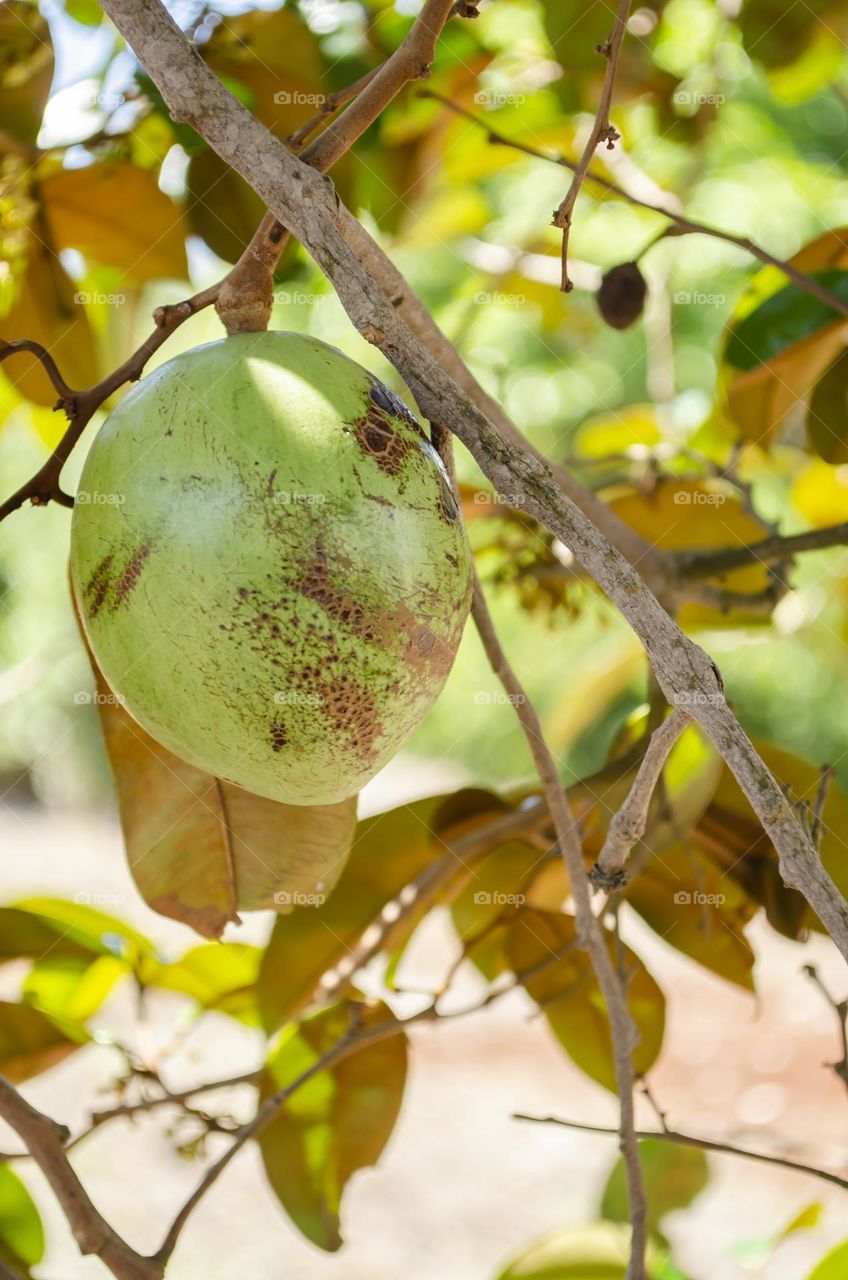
223,209
827,413
785,318
673,1177
21,1232
600,1251
833,1266
72,989
90,928
219,975
334,1124
543,944
88,12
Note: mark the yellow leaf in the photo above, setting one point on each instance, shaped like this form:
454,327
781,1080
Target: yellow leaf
679,514
760,399
45,310
200,848
116,215
820,493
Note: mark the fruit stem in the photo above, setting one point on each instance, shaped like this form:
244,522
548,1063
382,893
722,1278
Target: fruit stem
246,295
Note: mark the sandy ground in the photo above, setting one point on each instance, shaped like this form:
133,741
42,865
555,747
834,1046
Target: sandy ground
462,1187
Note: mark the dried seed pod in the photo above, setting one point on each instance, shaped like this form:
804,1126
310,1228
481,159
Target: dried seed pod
621,296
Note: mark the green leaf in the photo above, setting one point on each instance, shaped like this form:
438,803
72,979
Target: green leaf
833,1266
388,851
336,1123
827,413
218,975
787,317
72,989
30,1042
544,945
673,1177
26,69
223,209
21,1232
90,928
600,1251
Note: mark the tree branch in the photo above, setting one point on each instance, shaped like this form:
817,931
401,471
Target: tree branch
590,934
628,824
840,1009
80,406
710,562
45,1141
602,131
705,1144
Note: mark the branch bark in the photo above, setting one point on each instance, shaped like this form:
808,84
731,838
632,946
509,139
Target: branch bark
45,1141
307,203
601,131
590,933
628,824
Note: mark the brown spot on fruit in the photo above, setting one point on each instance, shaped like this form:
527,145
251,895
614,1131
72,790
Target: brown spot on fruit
352,710
132,572
339,604
279,737
97,587
377,437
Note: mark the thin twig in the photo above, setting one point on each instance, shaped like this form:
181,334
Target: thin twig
840,1008
705,1144
80,406
682,224
708,563
602,131
629,823
589,931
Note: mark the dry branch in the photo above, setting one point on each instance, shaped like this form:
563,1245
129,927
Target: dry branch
45,1140
629,823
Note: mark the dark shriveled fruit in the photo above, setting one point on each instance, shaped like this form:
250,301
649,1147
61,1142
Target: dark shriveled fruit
621,297
269,565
